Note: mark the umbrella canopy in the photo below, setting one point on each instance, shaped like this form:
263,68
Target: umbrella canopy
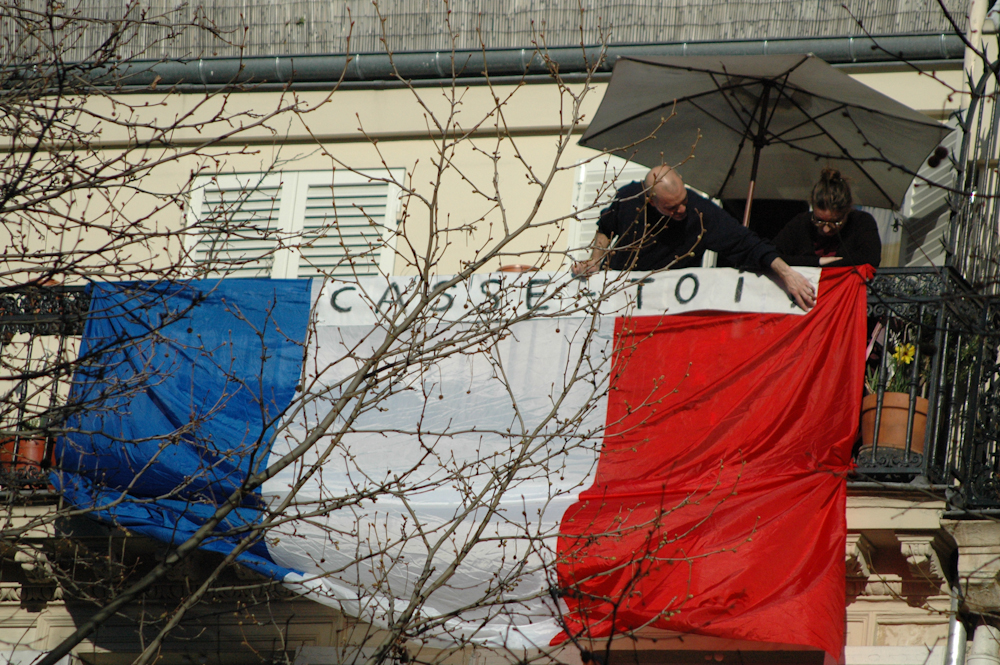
793,113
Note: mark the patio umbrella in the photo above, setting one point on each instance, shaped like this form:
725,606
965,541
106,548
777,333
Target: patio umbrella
771,122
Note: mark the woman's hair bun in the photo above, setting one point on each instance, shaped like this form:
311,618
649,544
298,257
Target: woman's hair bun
830,174
832,192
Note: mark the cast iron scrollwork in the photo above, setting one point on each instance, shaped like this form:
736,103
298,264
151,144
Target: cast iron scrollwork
982,485
43,310
889,460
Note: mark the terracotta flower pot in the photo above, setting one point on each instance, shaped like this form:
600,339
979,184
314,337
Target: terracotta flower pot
28,467
892,428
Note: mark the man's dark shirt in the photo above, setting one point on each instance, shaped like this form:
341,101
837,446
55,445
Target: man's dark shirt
649,241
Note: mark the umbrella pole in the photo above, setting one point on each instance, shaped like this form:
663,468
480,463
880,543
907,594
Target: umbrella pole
758,143
746,209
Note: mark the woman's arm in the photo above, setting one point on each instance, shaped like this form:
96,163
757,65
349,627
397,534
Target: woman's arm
794,244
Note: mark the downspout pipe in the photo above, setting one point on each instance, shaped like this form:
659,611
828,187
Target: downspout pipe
313,70
956,632
973,60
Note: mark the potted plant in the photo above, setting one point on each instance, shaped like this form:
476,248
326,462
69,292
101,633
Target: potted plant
26,455
895,404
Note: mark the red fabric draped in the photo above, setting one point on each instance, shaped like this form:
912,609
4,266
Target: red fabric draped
718,505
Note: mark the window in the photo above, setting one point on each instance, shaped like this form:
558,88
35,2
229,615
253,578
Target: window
294,224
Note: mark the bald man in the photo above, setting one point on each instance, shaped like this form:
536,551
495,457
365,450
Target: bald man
659,224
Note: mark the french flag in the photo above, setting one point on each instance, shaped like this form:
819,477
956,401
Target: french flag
524,461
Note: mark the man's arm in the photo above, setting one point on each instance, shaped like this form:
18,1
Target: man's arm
797,286
599,250
745,248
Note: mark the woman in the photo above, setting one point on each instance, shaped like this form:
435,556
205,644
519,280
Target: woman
833,234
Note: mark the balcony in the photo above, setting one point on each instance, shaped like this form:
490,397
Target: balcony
39,331
935,342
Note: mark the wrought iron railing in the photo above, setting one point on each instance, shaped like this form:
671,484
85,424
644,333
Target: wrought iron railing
39,328
932,413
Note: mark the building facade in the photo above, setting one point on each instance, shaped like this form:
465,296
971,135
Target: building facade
424,159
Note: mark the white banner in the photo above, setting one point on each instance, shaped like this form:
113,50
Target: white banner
368,301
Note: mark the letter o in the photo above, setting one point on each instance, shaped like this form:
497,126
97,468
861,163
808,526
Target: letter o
694,291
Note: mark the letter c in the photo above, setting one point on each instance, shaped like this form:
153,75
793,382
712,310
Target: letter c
333,298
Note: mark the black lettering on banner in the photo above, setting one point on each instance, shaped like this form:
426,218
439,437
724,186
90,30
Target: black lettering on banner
333,298
494,297
449,300
694,291
739,289
532,294
638,291
391,296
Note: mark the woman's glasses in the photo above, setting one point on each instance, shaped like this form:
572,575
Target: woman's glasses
834,222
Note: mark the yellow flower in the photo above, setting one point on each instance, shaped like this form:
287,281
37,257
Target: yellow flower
904,353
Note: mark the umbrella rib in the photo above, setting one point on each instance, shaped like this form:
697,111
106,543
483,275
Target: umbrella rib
742,108
736,130
744,132
781,93
810,119
814,120
748,127
858,163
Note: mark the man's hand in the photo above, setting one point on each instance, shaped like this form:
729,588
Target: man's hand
598,250
798,287
827,260
584,268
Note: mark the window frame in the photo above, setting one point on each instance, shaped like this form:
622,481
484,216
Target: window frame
289,214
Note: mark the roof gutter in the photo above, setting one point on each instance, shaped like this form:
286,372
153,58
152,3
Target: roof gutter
375,70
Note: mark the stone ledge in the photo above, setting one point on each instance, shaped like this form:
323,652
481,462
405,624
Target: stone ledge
895,655
877,512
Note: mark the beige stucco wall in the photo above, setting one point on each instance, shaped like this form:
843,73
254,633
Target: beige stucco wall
936,92
483,161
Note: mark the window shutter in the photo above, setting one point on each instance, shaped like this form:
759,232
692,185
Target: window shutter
595,186
295,224
238,226
928,216
344,228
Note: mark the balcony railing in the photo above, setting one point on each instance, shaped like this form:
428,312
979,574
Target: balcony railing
932,376
933,339
39,328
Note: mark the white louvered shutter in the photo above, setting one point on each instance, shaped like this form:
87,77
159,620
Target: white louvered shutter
237,224
925,208
294,224
595,186
345,227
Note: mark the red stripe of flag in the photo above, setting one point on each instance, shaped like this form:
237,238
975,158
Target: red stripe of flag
718,504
